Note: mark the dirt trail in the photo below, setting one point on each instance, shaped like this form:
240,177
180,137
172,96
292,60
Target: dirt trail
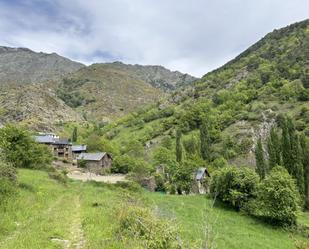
76,227
77,175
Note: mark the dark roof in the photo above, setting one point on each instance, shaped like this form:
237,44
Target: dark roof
201,173
61,141
46,139
91,156
76,148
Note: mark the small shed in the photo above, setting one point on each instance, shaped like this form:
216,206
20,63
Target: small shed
97,163
200,181
78,149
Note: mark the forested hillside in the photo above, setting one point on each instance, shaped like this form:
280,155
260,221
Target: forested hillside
241,101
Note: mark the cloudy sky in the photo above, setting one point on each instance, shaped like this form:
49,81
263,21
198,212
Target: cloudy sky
192,36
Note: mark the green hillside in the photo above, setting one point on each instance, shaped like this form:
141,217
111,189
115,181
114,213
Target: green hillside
242,100
47,214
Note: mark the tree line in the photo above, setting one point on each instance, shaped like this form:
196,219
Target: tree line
288,148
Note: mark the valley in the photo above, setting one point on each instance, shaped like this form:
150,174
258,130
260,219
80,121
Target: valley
84,215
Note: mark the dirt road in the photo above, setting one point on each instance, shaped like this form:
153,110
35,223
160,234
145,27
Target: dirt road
77,175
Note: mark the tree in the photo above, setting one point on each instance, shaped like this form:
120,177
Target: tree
205,139
291,153
19,149
235,186
74,135
286,145
179,149
274,149
260,161
277,198
305,162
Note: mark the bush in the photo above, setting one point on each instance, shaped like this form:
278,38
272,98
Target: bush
7,172
81,163
131,186
21,150
235,186
122,164
8,181
141,225
277,199
58,176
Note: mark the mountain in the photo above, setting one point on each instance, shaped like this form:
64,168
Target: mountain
157,76
27,81
21,65
42,90
102,92
241,100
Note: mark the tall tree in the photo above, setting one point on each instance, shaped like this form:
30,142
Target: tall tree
286,145
74,135
304,146
291,153
260,161
179,149
298,165
274,149
205,139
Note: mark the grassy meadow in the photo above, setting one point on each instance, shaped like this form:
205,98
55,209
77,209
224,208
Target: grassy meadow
47,214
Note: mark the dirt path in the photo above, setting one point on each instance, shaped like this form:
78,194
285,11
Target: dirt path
77,175
77,233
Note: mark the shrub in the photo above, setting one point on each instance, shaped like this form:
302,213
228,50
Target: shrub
58,176
21,150
122,164
81,163
141,225
235,186
131,186
7,172
277,198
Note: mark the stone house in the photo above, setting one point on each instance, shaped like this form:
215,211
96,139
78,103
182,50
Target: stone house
200,184
98,163
78,149
59,147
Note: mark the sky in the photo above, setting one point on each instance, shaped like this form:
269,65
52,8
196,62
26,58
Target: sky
190,36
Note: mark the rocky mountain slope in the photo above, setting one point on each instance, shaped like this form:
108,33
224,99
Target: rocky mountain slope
157,76
21,65
242,100
42,89
102,92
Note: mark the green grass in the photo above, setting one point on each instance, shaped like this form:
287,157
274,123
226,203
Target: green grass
46,214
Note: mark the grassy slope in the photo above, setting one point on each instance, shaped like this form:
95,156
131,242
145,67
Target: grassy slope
45,210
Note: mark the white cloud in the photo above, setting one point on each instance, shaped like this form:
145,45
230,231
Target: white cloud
189,36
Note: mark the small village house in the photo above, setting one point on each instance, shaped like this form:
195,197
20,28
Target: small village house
98,163
78,149
200,181
61,148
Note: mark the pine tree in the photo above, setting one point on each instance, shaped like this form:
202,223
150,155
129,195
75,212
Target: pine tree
179,148
304,146
291,153
260,161
274,149
286,146
205,139
298,165
74,135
